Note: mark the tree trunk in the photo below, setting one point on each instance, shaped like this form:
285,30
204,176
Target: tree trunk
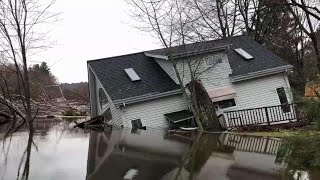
316,51
205,106
196,108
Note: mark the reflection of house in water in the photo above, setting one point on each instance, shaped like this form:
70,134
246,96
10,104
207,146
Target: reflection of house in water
254,157
152,155
145,154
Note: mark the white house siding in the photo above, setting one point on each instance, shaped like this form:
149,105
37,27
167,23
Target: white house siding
166,65
92,89
211,78
115,112
257,93
152,112
261,92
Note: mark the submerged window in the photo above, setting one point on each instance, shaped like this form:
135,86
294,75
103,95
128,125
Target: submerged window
244,54
103,98
132,74
226,103
136,124
283,99
107,116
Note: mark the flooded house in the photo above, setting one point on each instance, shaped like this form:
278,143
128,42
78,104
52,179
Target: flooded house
246,82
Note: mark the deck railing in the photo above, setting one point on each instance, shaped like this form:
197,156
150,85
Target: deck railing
264,115
257,144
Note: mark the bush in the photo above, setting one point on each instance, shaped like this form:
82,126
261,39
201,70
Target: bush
311,110
73,112
69,112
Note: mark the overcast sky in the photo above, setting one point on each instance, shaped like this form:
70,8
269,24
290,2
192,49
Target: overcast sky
91,29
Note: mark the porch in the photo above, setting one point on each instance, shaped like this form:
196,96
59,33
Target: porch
270,115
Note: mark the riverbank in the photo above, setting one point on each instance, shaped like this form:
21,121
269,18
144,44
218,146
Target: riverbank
281,134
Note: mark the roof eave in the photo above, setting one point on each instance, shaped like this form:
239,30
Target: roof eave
261,73
145,97
216,49
156,56
183,55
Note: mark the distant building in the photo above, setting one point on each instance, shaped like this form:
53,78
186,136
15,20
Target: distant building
142,89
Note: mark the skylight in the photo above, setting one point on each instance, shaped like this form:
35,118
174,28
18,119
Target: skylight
244,54
132,74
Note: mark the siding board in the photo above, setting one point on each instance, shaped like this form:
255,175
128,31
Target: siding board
168,68
152,112
115,112
211,77
261,92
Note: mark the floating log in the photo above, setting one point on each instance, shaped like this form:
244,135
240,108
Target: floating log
99,120
6,118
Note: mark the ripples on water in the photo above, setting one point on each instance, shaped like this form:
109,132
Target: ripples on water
58,151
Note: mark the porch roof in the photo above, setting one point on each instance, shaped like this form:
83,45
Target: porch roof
220,94
179,116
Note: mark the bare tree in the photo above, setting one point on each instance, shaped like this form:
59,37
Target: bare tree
19,21
218,18
307,16
172,22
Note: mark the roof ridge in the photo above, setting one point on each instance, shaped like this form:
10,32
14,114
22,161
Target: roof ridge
117,56
142,52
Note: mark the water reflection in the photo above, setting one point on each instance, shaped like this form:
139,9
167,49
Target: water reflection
56,150
153,154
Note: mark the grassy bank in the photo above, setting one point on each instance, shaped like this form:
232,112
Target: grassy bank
281,134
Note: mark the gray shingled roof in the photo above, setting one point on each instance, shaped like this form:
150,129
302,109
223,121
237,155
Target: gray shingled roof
110,71
111,74
263,58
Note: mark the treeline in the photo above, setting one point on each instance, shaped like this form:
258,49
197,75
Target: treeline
76,91
44,86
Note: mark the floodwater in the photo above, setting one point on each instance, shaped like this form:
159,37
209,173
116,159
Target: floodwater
57,151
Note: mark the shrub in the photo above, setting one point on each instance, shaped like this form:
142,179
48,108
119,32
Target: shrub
69,112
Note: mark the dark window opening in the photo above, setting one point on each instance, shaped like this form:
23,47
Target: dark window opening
187,123
107,115
102,98
226,103
136,124
283,99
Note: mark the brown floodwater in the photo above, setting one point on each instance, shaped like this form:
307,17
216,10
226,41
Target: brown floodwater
57,151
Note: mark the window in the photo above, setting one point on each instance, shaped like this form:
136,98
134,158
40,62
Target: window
283,99
211,61
136,124
226,103
102,98
243,54
132,74
107,116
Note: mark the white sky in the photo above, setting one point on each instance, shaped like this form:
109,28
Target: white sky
91,29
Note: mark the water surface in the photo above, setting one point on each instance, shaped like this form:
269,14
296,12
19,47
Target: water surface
58,151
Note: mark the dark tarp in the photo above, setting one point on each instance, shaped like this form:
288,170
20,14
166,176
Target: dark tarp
179,116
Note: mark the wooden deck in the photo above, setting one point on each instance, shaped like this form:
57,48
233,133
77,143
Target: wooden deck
263,116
